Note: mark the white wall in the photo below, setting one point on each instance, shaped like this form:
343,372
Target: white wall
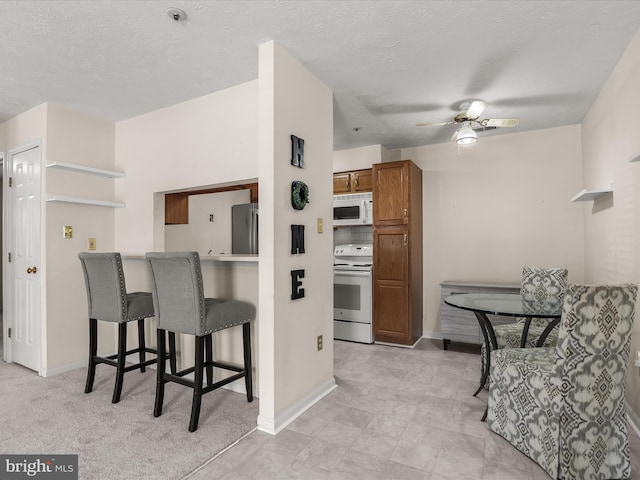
203,142
293,101
79,139
497,206
359,158
612,225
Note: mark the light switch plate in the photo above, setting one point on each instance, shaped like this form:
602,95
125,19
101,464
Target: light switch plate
320,226
91,244
67,231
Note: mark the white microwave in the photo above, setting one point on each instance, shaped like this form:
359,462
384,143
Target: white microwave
353,209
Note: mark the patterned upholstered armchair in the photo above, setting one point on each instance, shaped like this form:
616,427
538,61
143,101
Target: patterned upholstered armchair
564,406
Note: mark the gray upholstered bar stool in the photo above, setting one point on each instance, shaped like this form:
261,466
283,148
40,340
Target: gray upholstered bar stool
109,301
180,305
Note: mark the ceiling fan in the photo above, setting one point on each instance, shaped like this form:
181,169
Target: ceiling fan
468,115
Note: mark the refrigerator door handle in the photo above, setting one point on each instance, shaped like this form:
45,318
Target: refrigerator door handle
253,228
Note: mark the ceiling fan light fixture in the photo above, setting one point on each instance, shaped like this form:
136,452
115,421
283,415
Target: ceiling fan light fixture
466,136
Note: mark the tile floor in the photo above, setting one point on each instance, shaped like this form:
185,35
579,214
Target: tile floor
397,414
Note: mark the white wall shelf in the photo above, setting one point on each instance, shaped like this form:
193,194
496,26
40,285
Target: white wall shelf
587,195
84,201
83,169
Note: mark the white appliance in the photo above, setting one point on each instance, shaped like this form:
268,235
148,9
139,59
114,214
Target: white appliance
353,209
352,292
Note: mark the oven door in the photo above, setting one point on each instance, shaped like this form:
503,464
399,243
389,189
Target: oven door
352,295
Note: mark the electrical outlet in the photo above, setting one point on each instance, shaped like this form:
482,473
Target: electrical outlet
91,243
319,342
67,231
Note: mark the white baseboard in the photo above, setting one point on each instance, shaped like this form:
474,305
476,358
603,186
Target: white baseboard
276,425
432,335
400,345
50,372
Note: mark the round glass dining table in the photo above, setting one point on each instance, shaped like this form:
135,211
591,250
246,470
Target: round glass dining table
506,304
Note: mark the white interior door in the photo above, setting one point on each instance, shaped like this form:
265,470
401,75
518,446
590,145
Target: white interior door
25,274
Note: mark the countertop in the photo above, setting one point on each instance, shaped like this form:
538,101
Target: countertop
228,257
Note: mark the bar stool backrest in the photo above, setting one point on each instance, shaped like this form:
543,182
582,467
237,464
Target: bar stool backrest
106,289
178,293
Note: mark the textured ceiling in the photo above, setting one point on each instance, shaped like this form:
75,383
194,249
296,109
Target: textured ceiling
391,64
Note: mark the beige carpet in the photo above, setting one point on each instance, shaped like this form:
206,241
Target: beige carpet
122,441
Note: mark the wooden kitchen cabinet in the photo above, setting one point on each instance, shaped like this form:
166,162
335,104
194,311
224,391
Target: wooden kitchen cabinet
391,285
393,192
397,252
176,209
352,182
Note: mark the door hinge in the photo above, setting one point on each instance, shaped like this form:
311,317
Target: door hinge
9,257
11,181
9,332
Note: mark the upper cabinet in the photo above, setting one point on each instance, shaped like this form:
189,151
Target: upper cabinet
391,193
352,182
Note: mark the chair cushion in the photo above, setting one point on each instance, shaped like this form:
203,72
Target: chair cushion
221,314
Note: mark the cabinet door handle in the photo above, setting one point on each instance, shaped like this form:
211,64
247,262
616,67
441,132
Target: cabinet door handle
357,182
32,270
405,213
405,239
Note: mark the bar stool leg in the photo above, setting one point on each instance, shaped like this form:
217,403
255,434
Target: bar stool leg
208,345
161,367
141,345
172,352
197,384
93,351
122,355
246,347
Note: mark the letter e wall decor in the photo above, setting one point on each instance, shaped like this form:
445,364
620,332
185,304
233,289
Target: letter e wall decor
296,291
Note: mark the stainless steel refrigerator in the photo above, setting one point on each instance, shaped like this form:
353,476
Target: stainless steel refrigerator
244,228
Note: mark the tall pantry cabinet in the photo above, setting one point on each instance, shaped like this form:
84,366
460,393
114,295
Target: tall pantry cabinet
397,252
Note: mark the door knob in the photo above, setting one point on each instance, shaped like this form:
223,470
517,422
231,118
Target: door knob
32,270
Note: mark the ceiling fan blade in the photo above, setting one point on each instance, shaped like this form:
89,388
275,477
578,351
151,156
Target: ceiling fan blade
475,109
499,122
437,124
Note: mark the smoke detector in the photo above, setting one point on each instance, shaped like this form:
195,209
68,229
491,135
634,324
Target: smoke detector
177,14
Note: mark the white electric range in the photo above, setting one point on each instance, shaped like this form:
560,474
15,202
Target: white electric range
352,292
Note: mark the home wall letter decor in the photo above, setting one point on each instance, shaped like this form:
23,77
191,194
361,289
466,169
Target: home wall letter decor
299,194
297,152
296,291
297,239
